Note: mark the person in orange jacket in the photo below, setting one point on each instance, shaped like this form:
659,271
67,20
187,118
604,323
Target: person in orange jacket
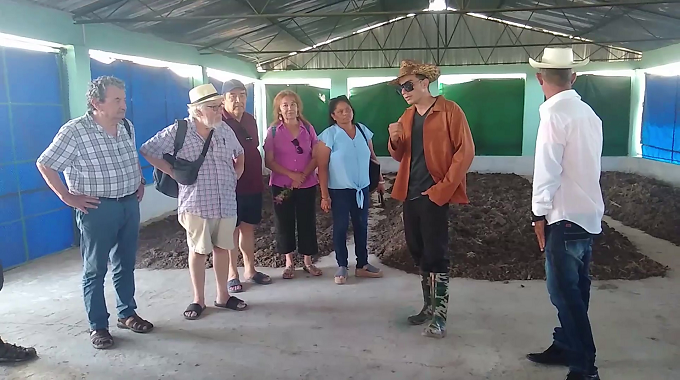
433,143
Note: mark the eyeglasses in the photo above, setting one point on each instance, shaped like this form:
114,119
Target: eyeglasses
215,108
408,86
298,148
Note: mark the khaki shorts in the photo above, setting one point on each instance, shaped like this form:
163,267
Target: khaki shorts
204,234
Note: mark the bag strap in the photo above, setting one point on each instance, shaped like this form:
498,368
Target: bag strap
361,130
240,127
127,127
180,135
207,143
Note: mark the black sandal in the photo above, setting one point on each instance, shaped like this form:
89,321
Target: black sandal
10,353
135,323
195,308
101,339
233,303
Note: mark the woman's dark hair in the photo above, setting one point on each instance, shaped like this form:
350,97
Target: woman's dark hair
333,104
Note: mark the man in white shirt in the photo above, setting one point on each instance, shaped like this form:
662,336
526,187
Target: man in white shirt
567,209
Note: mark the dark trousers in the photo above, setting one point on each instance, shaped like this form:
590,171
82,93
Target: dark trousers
426,226
344,206
297,209
110,231
568,252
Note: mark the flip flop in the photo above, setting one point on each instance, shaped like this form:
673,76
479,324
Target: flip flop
196,308
234,286
260,278
233,303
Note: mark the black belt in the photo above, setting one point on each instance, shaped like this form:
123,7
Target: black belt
120,199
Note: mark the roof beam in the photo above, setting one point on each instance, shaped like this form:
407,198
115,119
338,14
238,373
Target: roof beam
95,6
374,13
276,23
228,39
326,49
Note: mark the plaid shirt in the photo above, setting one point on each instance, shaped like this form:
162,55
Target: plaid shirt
213,195
94,162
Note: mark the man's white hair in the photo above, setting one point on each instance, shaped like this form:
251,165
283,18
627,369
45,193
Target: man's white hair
194,108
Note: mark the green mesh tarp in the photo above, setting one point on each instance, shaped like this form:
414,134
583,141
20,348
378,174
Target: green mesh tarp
494,109
376,107
314,102
609,97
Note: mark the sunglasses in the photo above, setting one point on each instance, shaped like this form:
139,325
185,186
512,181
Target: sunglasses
298,148
408,86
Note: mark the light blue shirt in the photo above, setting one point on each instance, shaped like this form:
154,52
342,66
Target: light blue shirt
348,166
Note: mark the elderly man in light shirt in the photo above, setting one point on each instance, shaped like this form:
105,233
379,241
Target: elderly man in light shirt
104,184
567,209
207,208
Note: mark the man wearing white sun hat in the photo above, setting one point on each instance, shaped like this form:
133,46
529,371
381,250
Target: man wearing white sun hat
206,168
567,209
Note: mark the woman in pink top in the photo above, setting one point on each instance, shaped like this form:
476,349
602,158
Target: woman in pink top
288,154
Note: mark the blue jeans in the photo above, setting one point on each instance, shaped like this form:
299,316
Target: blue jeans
109,231
568,251
344,206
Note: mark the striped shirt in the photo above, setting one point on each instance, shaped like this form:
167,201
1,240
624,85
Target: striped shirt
213,195
94,162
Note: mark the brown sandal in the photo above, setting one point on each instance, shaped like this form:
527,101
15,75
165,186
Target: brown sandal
135,323
313,270
289,273
101,339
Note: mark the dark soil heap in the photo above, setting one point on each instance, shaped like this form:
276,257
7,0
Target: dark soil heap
643,203
163,244
492,239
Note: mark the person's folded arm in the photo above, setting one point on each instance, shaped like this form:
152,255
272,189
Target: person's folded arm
161,143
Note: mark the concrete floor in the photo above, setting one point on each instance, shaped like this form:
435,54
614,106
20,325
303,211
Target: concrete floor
310,328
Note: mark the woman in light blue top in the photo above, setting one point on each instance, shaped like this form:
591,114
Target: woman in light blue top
343,156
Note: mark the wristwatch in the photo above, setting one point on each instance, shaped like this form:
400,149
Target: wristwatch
535,218
143,181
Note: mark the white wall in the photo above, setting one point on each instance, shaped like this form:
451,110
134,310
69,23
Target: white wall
155,204
524,165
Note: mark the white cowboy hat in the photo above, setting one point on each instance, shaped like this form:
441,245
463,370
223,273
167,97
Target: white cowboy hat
557,58
203,93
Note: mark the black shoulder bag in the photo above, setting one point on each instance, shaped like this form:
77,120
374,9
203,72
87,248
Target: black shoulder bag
185,171
373,167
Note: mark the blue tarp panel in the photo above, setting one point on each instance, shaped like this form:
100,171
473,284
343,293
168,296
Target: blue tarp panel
33,221
250,89
155,98
661,119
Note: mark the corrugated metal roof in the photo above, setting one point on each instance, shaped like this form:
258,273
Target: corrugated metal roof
450,39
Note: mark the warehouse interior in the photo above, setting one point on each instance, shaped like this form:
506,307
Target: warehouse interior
312,329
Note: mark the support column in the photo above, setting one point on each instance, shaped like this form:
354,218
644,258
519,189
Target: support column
533,98
636,102
338,85
77,61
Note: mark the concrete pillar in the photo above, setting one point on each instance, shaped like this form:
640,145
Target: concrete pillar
533,98
338,85
637,96
77,62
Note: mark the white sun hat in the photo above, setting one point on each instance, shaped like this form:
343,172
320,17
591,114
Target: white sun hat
203,93
558,58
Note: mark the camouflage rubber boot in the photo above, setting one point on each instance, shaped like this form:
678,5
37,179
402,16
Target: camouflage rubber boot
425,314
440,303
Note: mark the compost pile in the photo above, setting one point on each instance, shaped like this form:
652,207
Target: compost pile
643,203
163,244
492,239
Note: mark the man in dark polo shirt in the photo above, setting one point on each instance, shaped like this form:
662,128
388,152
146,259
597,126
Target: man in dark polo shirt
249,188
